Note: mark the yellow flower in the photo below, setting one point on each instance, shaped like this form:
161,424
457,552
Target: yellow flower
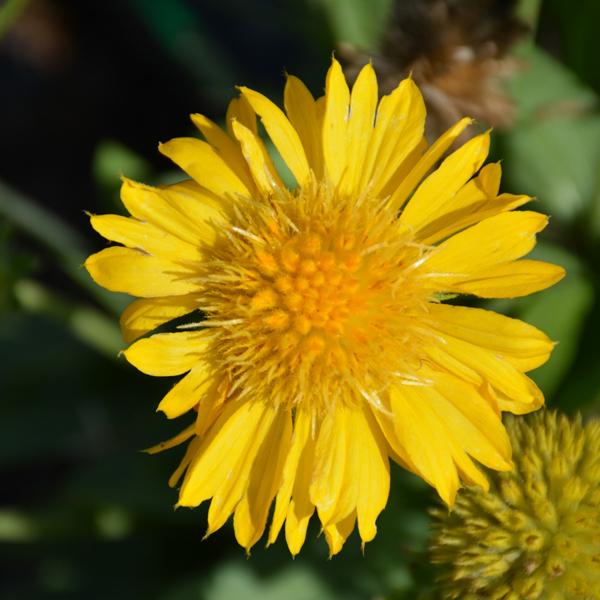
323,348
536,534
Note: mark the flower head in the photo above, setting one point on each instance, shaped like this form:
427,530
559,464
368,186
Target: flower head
457,52
536,534
323,348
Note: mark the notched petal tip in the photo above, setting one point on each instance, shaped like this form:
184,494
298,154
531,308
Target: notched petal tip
246,91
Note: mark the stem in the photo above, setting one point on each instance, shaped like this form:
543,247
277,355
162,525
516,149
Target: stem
87,324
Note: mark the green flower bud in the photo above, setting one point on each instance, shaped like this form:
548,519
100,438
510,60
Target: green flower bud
536,533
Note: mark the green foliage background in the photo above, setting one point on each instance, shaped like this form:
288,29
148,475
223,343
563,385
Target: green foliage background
83,513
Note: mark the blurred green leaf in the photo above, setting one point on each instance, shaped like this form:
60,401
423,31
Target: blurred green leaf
16,526
86,323
543,86
236,580
592,221
561,313
556,161
13,266
357,22
10,12
528,11
112,160
554,150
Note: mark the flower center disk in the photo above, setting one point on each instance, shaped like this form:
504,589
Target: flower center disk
310,292
316,299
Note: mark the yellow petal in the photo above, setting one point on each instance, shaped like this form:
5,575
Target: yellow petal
424,439
226,147
232,487
301,508
210,408
146,314
183,209
299,513
283,135
181,437
471,204
127,270
187,392
337,533
327,491
239,110
384,419
450,364
301,111
372,472
496,240
218,459
145,236
189,455
363,102
509,280
335,121
426,162
300,438
167,354
258,160
523,345
467,470
202,162
436,193
516,406
469,420
265,478
398,131
490,367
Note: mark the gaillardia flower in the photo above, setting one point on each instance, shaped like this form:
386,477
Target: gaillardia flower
324,347
536,534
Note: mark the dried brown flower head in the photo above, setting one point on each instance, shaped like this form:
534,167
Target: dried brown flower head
456,51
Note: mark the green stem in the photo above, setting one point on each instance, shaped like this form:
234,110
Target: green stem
87,324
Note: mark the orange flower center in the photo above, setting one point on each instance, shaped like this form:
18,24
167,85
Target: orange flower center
309,291
305,298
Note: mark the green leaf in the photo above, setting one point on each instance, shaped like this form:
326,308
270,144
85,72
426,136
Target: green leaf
85,323
554,150
557,162
237,580
561,313
112,160
528,11
544,86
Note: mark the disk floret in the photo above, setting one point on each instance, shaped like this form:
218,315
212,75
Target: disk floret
318,293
